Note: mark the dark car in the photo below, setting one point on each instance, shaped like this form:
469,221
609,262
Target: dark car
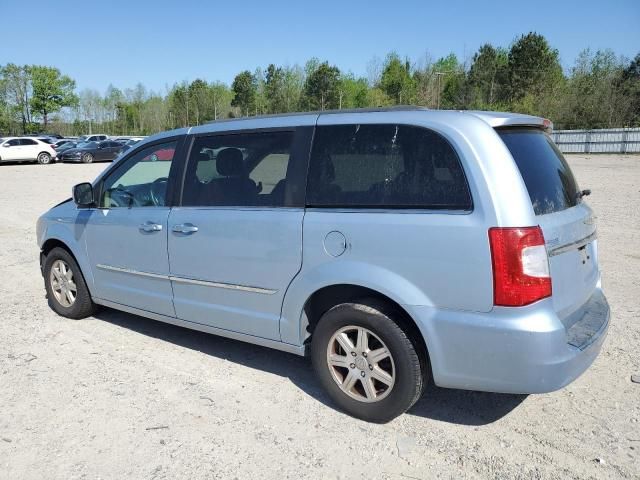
63,147
64,142
46,139
89,152
127,144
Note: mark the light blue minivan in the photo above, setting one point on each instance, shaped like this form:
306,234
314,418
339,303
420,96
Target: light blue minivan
397,247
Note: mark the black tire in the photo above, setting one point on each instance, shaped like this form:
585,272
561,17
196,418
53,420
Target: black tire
87,158
410,365
83,306
43,158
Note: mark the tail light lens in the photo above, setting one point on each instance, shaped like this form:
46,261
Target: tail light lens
520,266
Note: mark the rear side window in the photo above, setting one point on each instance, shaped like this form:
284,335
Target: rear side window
240,169
549,180
385,166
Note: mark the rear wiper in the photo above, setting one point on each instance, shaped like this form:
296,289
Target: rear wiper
583,193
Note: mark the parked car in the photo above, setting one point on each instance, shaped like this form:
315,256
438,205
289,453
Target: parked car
89,152
57,145
48,140
127,144
24,149
92,138
125,139
47,135
65,146
392,246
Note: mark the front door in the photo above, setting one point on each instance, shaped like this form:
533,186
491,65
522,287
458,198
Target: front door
235,244
127,233
11,150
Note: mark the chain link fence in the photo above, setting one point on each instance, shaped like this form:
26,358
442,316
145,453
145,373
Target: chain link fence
610,140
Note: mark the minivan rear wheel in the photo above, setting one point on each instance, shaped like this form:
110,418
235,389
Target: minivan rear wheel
44,158
67,292
368,364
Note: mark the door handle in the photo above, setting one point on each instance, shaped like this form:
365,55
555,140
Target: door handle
150,227
185,228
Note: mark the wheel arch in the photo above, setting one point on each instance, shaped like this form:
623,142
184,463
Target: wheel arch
54,242
46,153
323,299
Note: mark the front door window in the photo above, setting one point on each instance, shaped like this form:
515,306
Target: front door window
142,181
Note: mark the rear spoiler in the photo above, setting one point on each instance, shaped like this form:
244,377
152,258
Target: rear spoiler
506,119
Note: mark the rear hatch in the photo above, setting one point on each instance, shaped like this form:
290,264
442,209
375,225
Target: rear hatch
566,221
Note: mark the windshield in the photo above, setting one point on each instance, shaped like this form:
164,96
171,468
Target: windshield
549,180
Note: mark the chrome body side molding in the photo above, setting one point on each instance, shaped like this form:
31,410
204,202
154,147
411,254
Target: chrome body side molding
192,281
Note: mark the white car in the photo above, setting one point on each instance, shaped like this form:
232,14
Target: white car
25,149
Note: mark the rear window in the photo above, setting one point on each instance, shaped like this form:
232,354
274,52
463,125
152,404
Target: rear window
385,166
546,174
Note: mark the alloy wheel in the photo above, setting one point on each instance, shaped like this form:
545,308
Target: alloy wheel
361,364
63,284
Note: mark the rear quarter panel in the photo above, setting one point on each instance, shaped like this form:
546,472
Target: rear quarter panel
425,258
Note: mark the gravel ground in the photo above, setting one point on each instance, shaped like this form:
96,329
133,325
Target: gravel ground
119,396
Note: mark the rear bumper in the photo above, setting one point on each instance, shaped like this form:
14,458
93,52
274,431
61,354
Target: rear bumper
513,350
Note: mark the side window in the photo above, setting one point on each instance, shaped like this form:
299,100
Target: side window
13,143
385,166
142,180
238,170
27,141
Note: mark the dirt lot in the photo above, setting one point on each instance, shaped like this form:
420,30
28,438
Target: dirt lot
119,396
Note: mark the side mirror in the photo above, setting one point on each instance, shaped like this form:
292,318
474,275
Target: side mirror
6,145
83,195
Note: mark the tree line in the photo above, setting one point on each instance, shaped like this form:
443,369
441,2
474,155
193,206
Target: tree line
600,90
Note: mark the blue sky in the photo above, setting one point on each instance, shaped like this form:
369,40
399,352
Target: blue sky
162,42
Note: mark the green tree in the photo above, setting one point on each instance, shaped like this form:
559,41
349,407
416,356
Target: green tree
353,92
113,100
221,97
293,85
396,79
488,77
245,89
51,91
17,84
178,100
321,88
275,89
534,66
449,82
630,86
595,96
198,93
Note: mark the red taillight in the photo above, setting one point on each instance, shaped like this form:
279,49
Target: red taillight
520,266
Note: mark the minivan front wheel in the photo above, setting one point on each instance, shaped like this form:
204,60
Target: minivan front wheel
87,158
67,291
368,364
